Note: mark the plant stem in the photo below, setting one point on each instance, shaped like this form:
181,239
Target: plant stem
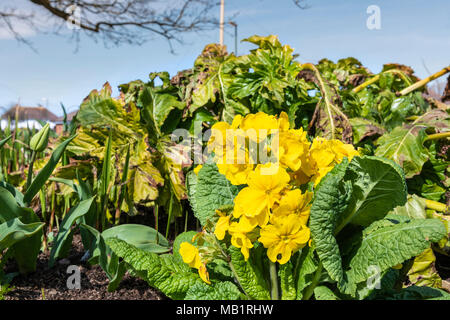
423,82
185,219
434,205
156,212
274,293
309,291
30,168
377,77
437,136
170,215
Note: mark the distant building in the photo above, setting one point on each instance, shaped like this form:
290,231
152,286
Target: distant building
59,126
29,117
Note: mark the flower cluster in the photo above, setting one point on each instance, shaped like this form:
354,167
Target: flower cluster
277,165
271,208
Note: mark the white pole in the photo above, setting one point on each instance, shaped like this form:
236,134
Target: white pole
222,14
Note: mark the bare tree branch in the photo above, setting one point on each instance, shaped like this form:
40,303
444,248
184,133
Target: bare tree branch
120,21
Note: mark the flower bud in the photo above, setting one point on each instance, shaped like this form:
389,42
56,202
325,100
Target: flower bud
39,141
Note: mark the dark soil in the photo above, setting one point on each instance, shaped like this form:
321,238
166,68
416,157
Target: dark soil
51,284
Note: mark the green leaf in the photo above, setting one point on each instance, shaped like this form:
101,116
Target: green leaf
140,236
9,208
285,272
14,230
307,266
414,208
324,293
363,129
212,191
249,276
170,276
191,187
158,105
3,141
331,198
378,186
216,291
395,242
404,145
418,293
46,172
26,251
423,271
65,232
359,193
16,193
100,110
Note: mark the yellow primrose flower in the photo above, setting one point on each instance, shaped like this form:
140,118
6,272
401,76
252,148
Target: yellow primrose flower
197,169
203,273
239,238
344,150
218,137
190,255
294,202
325,154
285,237
283,122
293,148
262,192
222,225
263,123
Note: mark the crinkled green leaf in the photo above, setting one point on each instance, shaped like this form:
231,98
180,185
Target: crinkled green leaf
249,276
287,283
216,291
389,245
212,191
331,198
167,274
359,193
324,293
306,267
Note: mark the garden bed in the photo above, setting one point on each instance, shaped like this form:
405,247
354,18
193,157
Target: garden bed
50,283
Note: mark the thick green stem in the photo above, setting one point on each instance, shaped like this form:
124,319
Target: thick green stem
423,82
437,136
274,293
30,169
310,290
377,77
434,205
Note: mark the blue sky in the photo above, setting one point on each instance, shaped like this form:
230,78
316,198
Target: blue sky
413,32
